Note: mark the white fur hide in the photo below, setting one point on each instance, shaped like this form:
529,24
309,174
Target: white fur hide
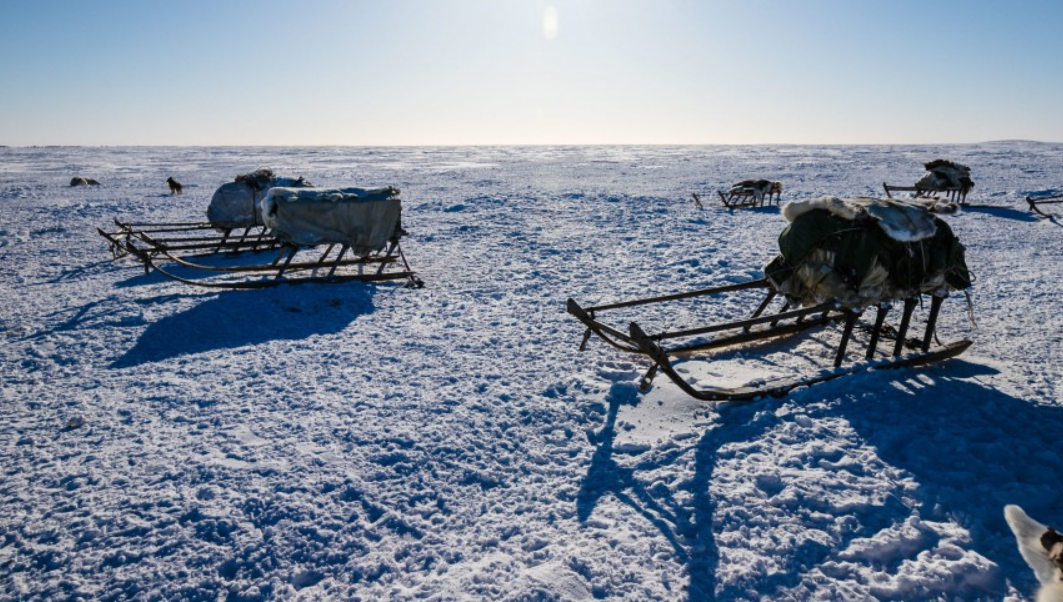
1028,536
900,220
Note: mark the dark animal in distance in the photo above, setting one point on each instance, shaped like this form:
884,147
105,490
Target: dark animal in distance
175,186
83,181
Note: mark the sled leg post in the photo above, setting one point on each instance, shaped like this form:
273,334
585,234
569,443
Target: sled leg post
935,307
850,321
586,337
280,254
240,241
391,249
880,317
906,319
287,260
224,237
785,308
336,264
647,380
763,305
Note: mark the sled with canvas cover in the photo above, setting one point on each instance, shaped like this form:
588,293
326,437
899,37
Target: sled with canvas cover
945,182
829,295
750,193
234,224
323,235
1036,202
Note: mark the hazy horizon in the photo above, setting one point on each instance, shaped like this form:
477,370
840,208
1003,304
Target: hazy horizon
528,73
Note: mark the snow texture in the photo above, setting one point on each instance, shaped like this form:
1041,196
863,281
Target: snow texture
372,442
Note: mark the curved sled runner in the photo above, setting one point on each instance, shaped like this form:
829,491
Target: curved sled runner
762,327
1035,203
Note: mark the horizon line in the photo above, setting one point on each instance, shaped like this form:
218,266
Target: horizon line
533,145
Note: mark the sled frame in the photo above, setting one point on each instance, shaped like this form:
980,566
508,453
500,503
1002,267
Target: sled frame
323,267
761,327
953,195
733,199
1045,200
197,239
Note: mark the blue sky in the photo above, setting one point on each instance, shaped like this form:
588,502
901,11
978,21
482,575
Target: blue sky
401,72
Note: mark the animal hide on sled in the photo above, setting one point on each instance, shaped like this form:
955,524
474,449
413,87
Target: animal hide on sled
363,219
236,204
946,175
861,251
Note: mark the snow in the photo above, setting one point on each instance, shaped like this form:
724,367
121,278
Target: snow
378,442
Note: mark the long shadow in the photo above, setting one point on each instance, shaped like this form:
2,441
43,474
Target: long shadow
688,531
238,318
1001,212
973,449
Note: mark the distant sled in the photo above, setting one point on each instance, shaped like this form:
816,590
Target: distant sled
942,188
750,193
263,230
797,299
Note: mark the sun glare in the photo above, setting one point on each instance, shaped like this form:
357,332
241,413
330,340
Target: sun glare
550,23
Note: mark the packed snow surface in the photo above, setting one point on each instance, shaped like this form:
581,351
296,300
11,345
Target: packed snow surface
374,442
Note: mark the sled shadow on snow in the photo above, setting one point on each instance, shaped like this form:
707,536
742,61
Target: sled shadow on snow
240,318
1003,212
971,448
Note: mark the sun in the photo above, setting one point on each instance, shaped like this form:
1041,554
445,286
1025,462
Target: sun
550,23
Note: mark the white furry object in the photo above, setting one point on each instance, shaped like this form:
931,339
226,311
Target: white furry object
900,220
1028,534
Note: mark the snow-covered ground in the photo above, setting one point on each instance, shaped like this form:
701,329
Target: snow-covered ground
382,443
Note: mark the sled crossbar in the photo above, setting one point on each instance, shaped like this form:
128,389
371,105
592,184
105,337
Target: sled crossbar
956,195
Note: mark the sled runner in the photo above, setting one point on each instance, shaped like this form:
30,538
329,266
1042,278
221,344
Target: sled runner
1044,200
945,182
234,224
854,326
361,225
750,193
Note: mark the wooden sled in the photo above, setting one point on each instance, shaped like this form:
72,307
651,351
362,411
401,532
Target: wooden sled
363,226
955,195
1045,200
747,194
144,240
762,327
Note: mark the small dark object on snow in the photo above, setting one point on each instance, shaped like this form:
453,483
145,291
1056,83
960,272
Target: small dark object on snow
175,186
83,181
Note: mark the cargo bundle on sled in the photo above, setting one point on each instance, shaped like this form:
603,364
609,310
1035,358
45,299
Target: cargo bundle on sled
234,224
944,186
843,265
322,235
